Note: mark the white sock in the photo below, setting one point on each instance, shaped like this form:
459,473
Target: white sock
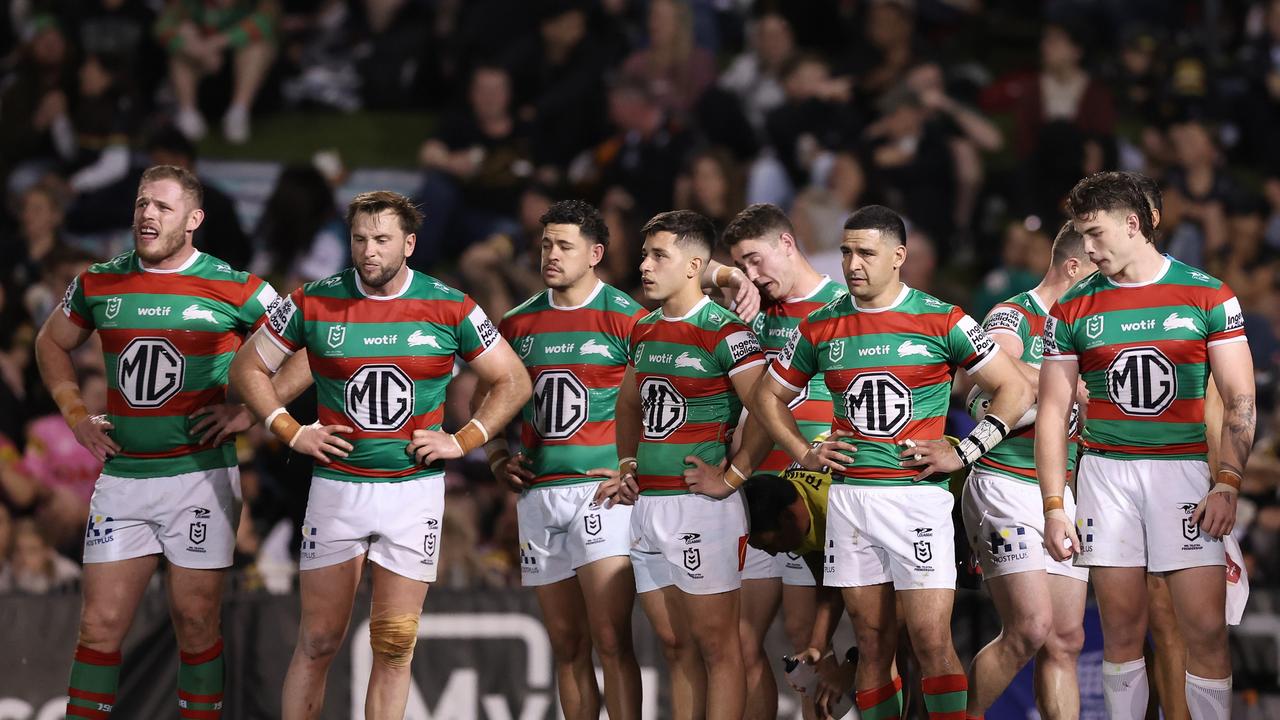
1124,686
1208,699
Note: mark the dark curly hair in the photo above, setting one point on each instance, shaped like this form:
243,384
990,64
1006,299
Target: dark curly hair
584,215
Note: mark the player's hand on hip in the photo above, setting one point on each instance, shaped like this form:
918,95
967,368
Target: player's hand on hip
1216,514
607,490
628,487
428,446
91,432
322,442
1060,537
929,457
705,479
515,472
830,455
218,422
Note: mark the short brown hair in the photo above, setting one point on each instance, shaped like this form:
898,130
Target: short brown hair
185,178
691,229
378,201
1067,244
755,222
1111,191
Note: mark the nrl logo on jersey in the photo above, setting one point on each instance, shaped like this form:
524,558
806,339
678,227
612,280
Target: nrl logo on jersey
835,351
337,336
1093,327
418,339
526,345
113,307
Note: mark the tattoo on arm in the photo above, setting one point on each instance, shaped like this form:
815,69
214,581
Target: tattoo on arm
1238,428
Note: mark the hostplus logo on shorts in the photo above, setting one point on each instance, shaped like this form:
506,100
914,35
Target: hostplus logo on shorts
308,542
98,532
528,560
1084,529
1009,544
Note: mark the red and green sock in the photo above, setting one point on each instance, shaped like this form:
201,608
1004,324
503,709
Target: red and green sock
884,703
945,696
94,679
200,684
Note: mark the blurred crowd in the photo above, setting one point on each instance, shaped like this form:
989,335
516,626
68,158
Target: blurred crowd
971,117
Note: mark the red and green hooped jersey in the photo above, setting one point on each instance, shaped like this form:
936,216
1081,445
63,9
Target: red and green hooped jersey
168,337
381,364
576,357
1143,352
774,325
1023,317
889,372
683,371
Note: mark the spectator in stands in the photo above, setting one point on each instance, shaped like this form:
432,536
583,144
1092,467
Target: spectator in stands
637,167
111,208
35,94
821,209
38,240
888,49
557,77
675,69
38,568
301,237
199,37
755,76
503,270
476,165
711,184
94,139
912,164
1197,178
815,120
1020,267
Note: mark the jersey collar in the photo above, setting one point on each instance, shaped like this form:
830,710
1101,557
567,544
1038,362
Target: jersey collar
902,295
816,289
1159,276
1038,301
551,301
692,311
403,288
185,266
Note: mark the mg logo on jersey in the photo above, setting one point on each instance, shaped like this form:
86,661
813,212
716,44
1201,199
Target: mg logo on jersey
1093,327
149,372
1142,381
379,398
878,404
663,408
113,307
337,335
560,404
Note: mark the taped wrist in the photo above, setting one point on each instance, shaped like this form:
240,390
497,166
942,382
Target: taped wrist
497,453
471,436
283,426
70,403
988,433
733,477
1053,502
627,466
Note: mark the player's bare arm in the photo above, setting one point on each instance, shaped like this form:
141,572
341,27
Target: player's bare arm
772,403
54,344
626,416
754,447
251,377
1011,396
514,471
746,296
218,422
1058,380
509,389
1231,367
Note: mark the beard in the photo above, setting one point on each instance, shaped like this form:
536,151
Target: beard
166,245
380,277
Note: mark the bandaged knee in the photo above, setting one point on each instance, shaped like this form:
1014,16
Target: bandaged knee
393,637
